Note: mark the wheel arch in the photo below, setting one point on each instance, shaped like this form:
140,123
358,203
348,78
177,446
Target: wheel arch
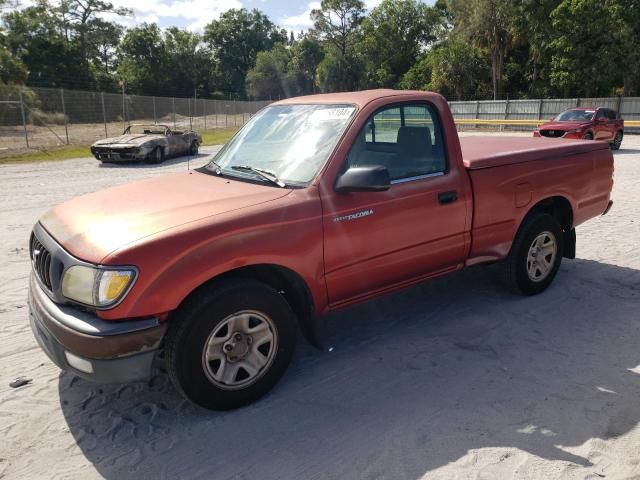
285,281
561,209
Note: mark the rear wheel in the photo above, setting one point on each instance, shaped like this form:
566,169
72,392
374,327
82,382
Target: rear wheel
535,255
229,345
617,141
587,136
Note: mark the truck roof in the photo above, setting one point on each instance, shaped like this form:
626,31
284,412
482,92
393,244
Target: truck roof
357,98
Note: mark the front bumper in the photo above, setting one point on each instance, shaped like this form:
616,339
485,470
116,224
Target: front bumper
92,348
117,156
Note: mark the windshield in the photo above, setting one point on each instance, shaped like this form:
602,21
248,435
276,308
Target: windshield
291,142
575,116
145,129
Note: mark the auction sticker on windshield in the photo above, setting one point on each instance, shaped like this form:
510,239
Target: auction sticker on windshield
325,114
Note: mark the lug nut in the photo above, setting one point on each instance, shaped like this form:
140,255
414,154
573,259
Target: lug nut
228,348
238,337
249,339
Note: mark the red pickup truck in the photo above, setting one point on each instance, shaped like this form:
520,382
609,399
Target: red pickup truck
317,203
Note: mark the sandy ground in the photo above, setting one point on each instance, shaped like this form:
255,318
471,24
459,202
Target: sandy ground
456,378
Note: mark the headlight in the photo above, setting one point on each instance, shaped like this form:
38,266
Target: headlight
97,287
575,130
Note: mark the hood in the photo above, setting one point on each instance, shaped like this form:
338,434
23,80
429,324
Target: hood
92,226
564,125
133,140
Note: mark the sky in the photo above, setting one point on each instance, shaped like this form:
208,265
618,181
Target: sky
195,14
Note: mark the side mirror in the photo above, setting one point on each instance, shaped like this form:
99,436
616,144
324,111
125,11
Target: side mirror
369,178
602,119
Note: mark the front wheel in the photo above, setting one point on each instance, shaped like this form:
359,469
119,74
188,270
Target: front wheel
156,156
229,345
588,136
193,150
535,255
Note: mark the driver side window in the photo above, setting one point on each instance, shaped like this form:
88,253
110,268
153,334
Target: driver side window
405,139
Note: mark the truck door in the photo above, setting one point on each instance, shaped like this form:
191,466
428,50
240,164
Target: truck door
376,240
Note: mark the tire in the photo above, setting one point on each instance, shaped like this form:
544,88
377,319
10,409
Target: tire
157,155
194,148
588,136
617,140
205,319
521,270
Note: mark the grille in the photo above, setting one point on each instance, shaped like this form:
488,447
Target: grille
552,133
41,261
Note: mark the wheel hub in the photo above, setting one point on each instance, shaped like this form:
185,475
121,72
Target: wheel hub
237,347
240,349
542,256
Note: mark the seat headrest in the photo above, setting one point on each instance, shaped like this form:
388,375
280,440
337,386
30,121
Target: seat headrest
414,141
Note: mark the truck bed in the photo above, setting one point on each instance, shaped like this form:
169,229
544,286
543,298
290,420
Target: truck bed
509,175
490,151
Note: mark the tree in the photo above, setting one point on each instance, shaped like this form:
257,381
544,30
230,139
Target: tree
102,44
628,14
337,72
588,48
270,77
454,69
337,21
306,55
82,15
33,37
187,62
234,41
393,36
143,60
490,25
12,70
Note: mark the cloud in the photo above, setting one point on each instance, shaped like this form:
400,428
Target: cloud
193,13
303,20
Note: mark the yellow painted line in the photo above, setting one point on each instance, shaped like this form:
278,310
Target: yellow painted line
478,121
534,123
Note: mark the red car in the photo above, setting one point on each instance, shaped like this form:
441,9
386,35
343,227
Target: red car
317,203
585,123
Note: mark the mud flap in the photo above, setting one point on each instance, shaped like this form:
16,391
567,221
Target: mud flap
314,330
570,244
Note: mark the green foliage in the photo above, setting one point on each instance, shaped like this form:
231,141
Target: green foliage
337,21
306,55
583,27
269,78
461,48
12,69
488,24
339,72
235,40
392,38
454,69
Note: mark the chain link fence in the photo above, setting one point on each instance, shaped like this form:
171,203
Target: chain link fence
46,117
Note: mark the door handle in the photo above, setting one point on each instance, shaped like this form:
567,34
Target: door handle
447,197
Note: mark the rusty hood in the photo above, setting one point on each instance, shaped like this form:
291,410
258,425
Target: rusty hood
92,226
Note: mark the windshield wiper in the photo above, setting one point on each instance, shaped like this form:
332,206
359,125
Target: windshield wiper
265,174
